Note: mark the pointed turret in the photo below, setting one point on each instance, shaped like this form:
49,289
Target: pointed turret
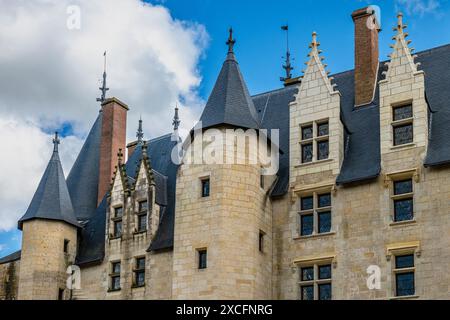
51,200
230,102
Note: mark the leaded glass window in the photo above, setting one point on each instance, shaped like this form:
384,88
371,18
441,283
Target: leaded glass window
118,212
322,129
139,272
307,224
404,275
307,132
403,134
307,292
315,282
403,112
307,273
307,203
403,200
142,222
307,152
117,228
315,214
322,150
115,276
324,221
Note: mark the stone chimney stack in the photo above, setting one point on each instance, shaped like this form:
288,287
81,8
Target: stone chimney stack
367,28
113,138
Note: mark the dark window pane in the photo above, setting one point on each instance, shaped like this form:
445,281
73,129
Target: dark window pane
401,187
118,212
324,220
140,278
307,203
325,291
307,292
403,134
307,132
202,256
404,261
405,284
322,129
142,222
261,242
140,263
115,283
116,267
117,228
404,112
143,206
325,272
403,210
307,152
306,224
205,188
322,150
324,200
307,274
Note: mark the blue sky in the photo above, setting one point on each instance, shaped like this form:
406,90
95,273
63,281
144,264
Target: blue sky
261,43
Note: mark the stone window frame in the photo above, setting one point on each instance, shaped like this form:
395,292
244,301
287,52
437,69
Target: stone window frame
412,174
315,212
139,213
202,181
403,249
314,140
199,252
116,219
315,263
402,122
261,241
113,275
137,271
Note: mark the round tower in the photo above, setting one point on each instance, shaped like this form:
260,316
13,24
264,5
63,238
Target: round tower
49,237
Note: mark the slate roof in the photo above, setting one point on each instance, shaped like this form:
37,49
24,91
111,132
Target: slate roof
84,177
11,258
230,102
51,200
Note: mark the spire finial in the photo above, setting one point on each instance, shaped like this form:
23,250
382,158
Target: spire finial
140,132
56,142
287,66
314,43
120,156
176,119
230,43
103,88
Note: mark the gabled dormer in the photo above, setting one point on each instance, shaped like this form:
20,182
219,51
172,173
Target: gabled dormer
403,107
316,139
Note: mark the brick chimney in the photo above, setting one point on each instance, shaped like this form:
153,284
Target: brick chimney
366,54
114,125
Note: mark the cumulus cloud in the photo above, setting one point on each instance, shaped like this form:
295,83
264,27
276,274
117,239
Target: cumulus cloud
50,74
418,7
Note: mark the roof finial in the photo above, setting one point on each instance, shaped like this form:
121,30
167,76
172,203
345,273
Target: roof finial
287,66
176,119
56,142
230,43
120,156
103,88
314,43
140,132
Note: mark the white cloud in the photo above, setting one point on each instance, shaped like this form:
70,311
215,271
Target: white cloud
418,7
50,75
2,247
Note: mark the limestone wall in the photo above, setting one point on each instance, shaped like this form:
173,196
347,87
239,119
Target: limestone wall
9,280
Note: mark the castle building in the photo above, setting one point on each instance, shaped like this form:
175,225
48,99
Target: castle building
358,208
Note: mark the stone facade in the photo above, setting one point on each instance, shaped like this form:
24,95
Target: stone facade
254,246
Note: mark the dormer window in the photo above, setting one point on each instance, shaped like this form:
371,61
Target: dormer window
117,222
315,141
142,216
402,125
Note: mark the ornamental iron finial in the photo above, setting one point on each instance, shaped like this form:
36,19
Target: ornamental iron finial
120,156
176,119
140,132
56,142
103,88
230,43
287,66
